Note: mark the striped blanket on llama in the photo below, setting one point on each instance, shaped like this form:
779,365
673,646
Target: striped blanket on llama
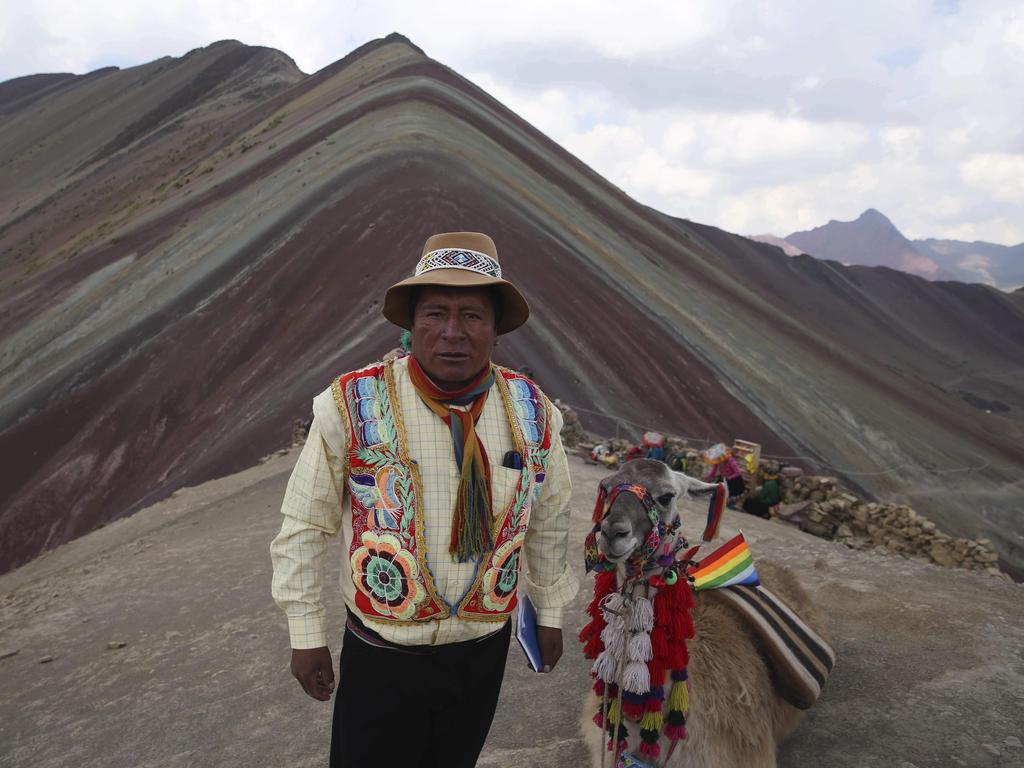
799,658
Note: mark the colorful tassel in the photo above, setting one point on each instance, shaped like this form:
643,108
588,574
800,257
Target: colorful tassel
679,697
675,732
650,748
715,507
613,712
652,721
674,718
633,710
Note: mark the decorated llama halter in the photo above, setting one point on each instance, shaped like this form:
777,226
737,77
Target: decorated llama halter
638,641
645,558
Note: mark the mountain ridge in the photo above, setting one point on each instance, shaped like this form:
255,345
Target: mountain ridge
873,240
226,264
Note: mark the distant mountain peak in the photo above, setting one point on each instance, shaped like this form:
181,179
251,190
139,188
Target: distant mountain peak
871,240
398,37
873,214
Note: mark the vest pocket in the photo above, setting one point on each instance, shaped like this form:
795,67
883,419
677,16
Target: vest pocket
503,488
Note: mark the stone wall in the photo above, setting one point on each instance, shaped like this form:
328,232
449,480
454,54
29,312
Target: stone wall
823,507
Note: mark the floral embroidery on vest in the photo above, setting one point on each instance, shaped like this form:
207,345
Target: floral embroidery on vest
388,553
494,595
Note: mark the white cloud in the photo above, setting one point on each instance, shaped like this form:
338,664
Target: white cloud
999,174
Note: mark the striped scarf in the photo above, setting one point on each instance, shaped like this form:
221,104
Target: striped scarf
471,523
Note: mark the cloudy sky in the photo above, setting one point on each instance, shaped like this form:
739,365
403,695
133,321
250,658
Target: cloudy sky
752,116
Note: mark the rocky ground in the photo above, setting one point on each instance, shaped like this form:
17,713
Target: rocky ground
821,506
154,642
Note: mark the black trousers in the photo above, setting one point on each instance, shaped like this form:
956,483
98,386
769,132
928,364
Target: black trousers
416,710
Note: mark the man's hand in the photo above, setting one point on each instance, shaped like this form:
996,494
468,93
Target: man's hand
550,640
314,670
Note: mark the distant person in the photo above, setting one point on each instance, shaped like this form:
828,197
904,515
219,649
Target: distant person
765,501
635,452
722,466
441,472
654,446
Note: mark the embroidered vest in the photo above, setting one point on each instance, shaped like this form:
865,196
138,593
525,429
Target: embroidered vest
388,550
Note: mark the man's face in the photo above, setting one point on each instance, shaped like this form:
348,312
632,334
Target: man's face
453,333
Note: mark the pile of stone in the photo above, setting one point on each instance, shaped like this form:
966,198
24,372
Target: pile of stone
300,431
573,433
823,507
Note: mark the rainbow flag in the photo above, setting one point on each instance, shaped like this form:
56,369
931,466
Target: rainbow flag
728,565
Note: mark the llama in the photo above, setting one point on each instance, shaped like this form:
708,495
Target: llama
737,716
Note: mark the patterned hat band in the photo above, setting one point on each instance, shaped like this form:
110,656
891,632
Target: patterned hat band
459,258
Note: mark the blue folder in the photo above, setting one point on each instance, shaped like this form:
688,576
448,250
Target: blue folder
526,633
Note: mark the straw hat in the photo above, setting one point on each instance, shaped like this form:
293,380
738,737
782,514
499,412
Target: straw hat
459,260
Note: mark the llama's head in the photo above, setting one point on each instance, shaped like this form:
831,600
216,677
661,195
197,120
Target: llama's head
627,523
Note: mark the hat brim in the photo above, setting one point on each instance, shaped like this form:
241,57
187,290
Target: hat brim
514,312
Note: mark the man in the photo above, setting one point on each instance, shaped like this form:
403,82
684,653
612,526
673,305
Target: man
440,470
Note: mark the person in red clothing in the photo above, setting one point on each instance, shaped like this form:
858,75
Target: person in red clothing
722,466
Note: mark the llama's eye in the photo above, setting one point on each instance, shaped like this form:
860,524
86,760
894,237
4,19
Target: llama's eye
666,498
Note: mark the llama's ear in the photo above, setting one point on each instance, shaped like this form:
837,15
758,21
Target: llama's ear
691,486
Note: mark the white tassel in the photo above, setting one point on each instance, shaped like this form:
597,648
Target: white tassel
613,640
636,678
614,602
616,621
643,615
639,648
605,667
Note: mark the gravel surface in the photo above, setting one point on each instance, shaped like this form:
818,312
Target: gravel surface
154,642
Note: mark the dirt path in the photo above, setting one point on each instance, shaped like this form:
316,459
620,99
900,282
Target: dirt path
930,669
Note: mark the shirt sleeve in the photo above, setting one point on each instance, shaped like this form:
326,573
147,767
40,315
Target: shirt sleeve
312,512
551,582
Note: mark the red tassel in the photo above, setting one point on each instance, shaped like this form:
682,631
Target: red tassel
687,626
659,642
623,745
587,632
599,719
599,506
678,627
650,748
675,732
670,596
679,658
663,611
634,710
590,635
686,594
656,669
653,705
599,687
